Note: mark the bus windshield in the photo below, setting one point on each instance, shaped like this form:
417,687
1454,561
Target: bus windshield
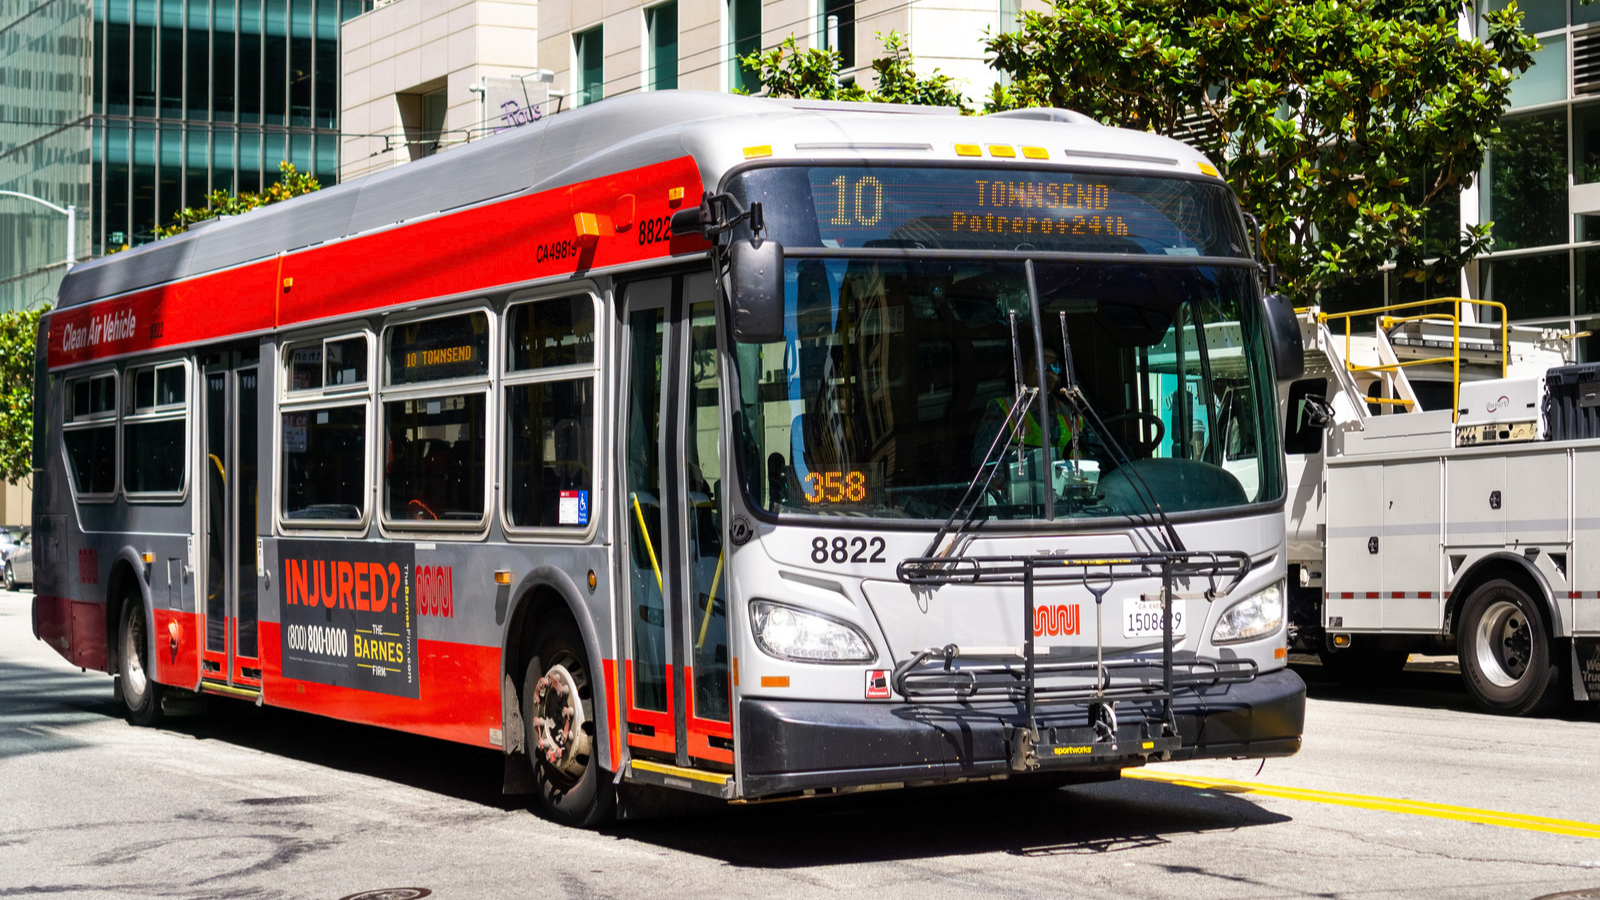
895,376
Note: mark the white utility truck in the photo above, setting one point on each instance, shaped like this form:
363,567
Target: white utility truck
1444,493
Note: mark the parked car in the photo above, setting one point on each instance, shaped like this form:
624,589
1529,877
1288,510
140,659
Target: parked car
19,563
10,535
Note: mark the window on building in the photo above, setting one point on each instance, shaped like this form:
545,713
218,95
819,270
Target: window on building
588,64
1527,195
90,435
661,30
154,449
325,401
744,36
839,30
550,403
422,114
1531,287
435,419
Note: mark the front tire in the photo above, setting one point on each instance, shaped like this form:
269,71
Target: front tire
11,579
558,715
1506,651
140,692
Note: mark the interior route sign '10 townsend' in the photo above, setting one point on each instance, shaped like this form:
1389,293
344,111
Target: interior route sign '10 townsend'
348,615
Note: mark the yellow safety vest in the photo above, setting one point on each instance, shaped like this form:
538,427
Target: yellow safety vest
1030,427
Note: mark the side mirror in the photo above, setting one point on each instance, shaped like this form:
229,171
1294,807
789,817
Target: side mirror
755,287
1283,336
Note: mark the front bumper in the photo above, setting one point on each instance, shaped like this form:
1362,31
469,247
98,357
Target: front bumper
794,745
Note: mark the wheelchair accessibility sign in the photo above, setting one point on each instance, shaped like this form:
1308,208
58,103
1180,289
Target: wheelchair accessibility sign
574,508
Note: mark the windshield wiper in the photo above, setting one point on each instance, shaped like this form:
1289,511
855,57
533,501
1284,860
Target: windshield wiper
1010,428
1079,401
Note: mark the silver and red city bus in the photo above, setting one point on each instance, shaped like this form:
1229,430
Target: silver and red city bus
744,447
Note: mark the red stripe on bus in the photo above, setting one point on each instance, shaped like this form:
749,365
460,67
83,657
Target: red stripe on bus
1424,595
1574,595
1347,595
459,696
1397,595
53,619
475,249
613,707
662,737
1372,595
180,665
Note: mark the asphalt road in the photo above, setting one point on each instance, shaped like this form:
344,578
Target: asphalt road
1404,792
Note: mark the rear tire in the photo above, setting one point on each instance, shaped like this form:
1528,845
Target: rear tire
1506,653
558,713
11,579
140,692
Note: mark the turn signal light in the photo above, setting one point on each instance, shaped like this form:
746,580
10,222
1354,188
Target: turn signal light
502,577
148,558
1342,641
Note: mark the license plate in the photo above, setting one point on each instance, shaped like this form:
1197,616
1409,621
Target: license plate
1141,618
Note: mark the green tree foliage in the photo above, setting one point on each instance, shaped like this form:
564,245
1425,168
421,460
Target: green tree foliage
291,183
1339,124
18,331
813,74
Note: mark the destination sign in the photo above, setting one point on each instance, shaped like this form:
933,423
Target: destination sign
903,207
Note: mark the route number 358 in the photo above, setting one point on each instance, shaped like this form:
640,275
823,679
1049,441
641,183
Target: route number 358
847,549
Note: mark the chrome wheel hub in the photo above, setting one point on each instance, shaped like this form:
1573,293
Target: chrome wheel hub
1504,644
562,742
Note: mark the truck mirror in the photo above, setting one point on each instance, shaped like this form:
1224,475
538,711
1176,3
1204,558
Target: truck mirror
1283,335
755,287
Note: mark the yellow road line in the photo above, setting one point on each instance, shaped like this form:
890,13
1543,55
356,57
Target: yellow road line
1381,804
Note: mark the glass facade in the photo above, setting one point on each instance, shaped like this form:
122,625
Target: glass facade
138,108
1546,262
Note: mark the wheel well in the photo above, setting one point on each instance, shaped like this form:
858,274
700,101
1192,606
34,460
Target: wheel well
122,584
538,606
1511,569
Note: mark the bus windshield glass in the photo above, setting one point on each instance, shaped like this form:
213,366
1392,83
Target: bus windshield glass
895,378
1014,208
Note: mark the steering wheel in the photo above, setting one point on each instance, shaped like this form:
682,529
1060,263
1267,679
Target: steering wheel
1139,448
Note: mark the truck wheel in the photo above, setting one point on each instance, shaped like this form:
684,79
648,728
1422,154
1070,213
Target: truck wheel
140,692
558,713
1364,665
1505,651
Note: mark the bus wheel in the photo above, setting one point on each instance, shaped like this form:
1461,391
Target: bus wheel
1504,646
558,713
140,692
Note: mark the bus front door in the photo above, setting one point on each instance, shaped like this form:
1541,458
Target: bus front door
228,447
676,672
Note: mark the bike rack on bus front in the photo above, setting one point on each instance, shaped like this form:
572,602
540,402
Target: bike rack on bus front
984,673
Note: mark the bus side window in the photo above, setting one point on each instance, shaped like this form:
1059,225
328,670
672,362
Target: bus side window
549,412
323,411
90,435
154,453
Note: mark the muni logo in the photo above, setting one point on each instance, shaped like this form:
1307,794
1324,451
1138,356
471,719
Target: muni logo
1055,620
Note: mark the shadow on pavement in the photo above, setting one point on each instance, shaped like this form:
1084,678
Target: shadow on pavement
923,823
1428,685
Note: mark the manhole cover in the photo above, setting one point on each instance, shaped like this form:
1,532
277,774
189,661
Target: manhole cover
390,894
1580,894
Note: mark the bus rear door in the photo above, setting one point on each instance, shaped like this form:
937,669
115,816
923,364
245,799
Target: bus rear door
228,448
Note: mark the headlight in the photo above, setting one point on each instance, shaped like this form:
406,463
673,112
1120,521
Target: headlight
1257,615
789,633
